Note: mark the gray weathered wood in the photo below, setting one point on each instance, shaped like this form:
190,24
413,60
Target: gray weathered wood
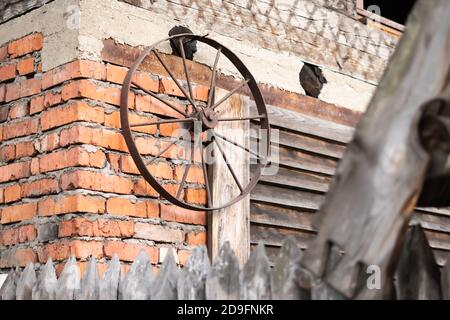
26,283
12,8
191,283
417,274
445,279
69,281
288,280
165,284
230,224
8,289
109,285
45,286
137,283
379,179
90,284
222,282
321,291
275,236
255,277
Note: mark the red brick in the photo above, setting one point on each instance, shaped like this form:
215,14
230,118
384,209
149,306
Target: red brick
75,111
196,238
126,207
27,233
25,149
30,87
20,128
18,257
56,251
7,72
25,66
143,80
88,89
197,196
169,87
71,204
129,251
3,53
48,142
34,166
183,256
77,156
82,227
15,171
18,109
157,233
28,44
143,188
2,92
7,153
9,237
114,160
195,174
18,212
36,104
39,187
12,193
113,120
98,181
94,136
174,213
159,170
84,249
74,70
200,92
150,104
12,92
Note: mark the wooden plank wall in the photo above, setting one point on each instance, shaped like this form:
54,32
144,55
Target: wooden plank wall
309,149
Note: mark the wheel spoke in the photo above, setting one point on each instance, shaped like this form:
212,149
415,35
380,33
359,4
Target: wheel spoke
175,80
162,151
227,163
230,94
240,146
162,122
162,100
213,80
183,55
243,118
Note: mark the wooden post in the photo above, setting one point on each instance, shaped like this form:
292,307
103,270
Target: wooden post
232,223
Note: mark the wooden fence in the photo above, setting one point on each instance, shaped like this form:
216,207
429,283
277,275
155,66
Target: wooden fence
417,277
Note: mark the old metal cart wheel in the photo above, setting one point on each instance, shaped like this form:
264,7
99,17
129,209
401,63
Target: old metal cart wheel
201,118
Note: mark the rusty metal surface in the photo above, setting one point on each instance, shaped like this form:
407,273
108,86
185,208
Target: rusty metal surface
204,117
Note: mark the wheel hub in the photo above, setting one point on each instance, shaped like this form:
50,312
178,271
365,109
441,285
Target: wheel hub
209,119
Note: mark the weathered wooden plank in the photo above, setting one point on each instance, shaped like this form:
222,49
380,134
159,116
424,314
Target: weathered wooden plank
222,282
69,281
295,121
298,179
191,283
431,222
90,284
137,283
165,284
277,216
45,286
286,197
8,289
303,142
232,223
301,160
417,274
445,279
276,236
379,179
109,285
255,277
14,8
26,283
288,280
441,211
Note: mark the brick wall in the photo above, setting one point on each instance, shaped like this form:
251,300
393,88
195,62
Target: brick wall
67,183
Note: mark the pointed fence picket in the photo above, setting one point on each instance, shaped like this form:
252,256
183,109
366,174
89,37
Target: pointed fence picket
417,277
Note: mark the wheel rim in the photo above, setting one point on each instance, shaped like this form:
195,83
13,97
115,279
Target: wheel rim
206,116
